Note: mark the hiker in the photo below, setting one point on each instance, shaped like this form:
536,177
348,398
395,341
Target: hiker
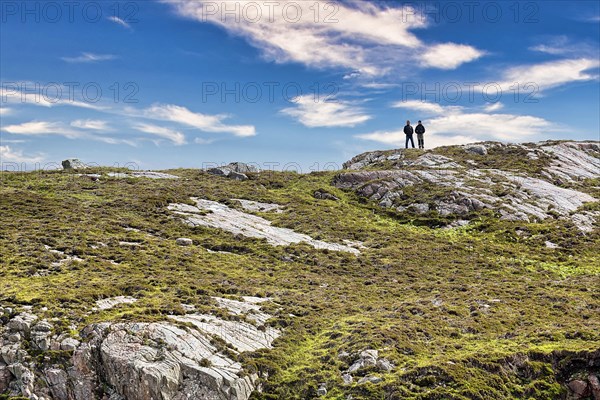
420,130
408,131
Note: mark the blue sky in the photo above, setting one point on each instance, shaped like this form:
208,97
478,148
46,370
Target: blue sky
189,83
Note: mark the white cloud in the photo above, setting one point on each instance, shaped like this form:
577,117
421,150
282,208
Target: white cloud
363,37
91,124
203,122
550,74
5,111
454,125
491,107
8,154
89,58
450,55
119,21
327,112
421,106
42,128
177,138
36,94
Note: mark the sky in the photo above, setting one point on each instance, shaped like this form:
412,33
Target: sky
288,85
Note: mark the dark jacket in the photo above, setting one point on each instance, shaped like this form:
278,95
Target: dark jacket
420,129
408,130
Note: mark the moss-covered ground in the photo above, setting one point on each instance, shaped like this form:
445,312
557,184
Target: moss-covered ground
473,313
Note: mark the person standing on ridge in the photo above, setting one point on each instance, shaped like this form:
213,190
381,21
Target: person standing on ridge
408,131
420,130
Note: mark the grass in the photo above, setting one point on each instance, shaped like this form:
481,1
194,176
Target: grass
452,309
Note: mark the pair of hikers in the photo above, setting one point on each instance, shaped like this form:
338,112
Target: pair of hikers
419,130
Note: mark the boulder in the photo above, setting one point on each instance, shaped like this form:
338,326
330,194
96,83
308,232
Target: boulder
580,389
347,378
324,195
238,176
5,378
221,171
595,386
322,390
40,336
73,163
478,149
184,242
69,344
22,323
242,168
58,381
370,378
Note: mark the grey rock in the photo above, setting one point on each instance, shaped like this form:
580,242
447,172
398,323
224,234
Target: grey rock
58,383
242,168
384,365
478,149
221,171
239,223
40,336
238,176
142,174
358,364
69,344
73,163
515,196
106,304
5,378
184,242
324,195
256,206
347,378
322,390
370,378
22,323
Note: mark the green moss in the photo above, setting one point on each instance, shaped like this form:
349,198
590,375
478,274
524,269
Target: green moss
447,307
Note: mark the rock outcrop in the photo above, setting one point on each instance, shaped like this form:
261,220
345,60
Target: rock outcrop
461,189
73,163
216,215
187,358
236,171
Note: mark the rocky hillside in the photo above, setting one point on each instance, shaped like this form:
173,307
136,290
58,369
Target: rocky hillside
463,272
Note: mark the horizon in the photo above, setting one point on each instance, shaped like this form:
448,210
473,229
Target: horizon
288,83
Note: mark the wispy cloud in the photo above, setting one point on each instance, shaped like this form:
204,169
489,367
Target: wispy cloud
422,106
33,93
203,122
551,74
493,107
326,112
177,138
47,128
89,58
450,55
5,111
563,45
119,21
363,37
8,154
34,128
95,125
457,125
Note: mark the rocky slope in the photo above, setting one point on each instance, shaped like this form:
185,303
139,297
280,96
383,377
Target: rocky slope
187,284
461,185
